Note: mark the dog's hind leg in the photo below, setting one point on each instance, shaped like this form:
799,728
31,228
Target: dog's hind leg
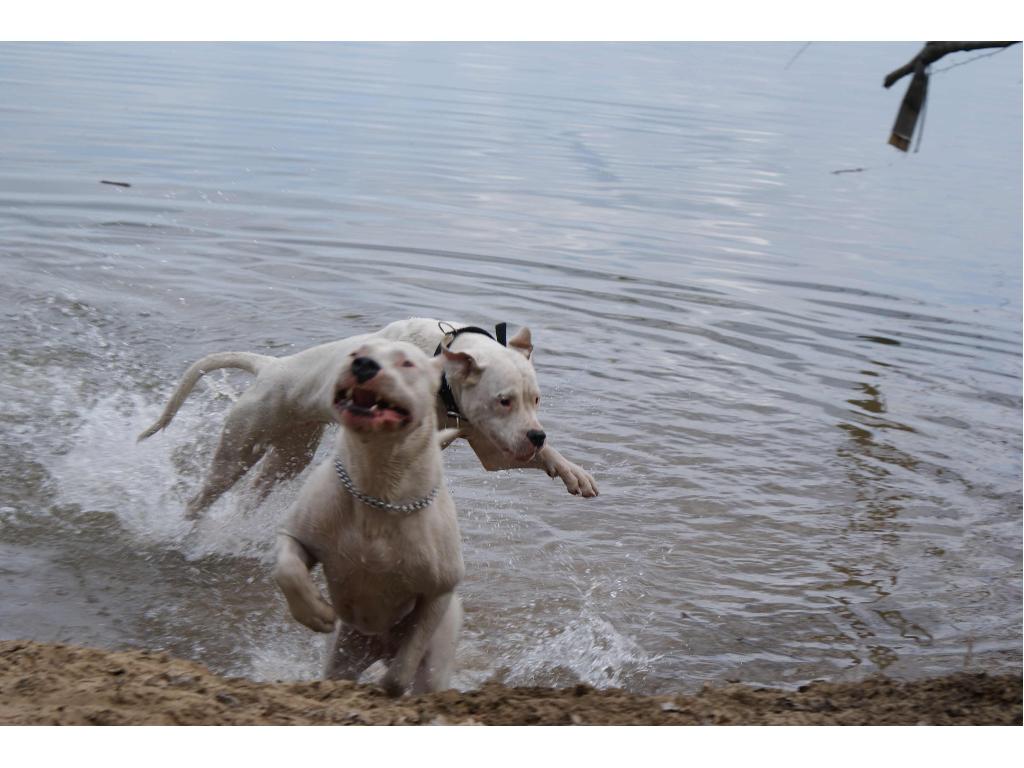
287,457
436,668
241,445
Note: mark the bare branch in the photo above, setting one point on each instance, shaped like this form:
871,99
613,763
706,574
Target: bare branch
932,52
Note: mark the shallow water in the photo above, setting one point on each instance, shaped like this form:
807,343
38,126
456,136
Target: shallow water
800,391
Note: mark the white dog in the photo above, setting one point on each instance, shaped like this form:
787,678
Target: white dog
379,518
281,416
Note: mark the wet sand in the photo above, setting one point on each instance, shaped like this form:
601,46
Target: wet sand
60,684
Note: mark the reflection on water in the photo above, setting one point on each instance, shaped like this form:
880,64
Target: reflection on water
799,390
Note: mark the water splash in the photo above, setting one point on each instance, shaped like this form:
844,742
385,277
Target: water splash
587,649
145,485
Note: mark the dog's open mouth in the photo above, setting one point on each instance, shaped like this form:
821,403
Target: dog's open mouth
360,407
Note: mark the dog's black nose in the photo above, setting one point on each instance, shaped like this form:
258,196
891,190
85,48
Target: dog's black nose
365,369
536,437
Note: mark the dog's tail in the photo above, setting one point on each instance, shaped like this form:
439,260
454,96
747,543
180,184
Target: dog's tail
247,361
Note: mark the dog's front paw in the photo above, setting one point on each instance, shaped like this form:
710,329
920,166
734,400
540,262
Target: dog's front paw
577,480
317,614
305,602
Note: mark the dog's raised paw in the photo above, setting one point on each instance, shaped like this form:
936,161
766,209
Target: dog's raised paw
577,480
588,487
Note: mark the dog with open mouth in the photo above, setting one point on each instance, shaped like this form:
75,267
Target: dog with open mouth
279,420
378,517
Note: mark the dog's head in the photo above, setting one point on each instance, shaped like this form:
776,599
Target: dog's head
386,387
496,389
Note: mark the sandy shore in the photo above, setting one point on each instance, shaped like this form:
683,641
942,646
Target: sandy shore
59,684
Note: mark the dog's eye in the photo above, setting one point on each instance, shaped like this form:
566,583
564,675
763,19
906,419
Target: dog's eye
408,364
505,401
536,400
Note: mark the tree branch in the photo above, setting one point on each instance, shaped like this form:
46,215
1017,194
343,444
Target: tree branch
932,52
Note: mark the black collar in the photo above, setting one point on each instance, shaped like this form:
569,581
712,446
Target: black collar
500,333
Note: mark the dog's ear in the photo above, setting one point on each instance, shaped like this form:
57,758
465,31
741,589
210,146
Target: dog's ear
522,343
461,364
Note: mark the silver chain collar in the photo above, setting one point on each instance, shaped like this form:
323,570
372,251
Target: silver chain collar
373,501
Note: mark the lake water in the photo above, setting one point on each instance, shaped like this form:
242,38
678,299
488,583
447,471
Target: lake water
799,390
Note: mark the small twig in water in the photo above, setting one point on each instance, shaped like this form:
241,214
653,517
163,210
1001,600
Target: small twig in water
115,183
848,170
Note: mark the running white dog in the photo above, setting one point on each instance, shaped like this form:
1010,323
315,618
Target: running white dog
379,518
281,416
